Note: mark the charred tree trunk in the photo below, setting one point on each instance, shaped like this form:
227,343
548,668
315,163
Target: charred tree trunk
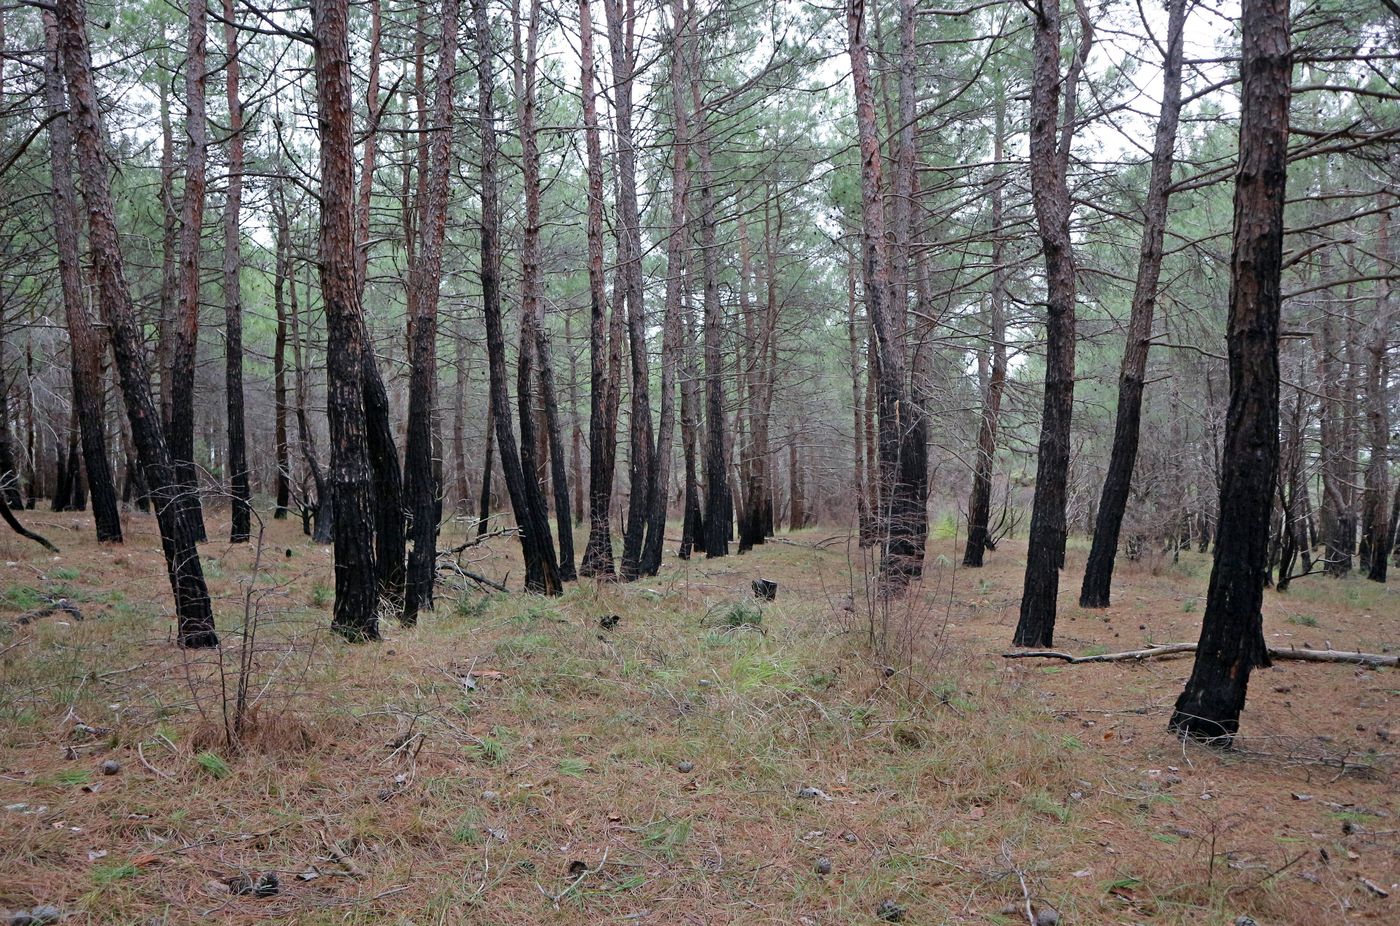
641,470
233,299
602,417
425,279
901,546
1050,197
348,353
184,353
1113,502
86,346
1375,534
484,517
1232,631
979,506
195,617
279,381
541,568
717,502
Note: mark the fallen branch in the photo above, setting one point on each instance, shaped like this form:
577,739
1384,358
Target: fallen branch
1373,660
23,531
57,606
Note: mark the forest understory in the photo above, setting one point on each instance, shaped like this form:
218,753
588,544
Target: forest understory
704,758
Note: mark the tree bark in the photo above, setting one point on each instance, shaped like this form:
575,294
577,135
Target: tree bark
423,490
194,614
979,506
1050,197
233,300
602,419
1375,535
86,347
541,567
897,520
641,469
1232,631
348,353
1113,502
184,354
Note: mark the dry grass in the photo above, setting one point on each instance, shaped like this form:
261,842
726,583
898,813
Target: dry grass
510,762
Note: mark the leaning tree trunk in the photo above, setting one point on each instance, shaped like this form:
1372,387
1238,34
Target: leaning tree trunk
233,300
85,343
1232,631
184,354
897,519
356,598
1113,502
541,568
1050,197
425,280
194,614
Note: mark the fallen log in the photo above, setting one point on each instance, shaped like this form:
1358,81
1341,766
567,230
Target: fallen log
57,606
1372,660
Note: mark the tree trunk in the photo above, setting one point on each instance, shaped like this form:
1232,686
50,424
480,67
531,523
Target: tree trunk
898,522
979,506
233,300
348,353
484,517
641,470
541,568
423,489
1113,502
195,617
86,346
184,354
279,378
1050,197
1232,631
1375,536
717,502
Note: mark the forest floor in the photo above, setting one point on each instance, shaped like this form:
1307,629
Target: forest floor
704,761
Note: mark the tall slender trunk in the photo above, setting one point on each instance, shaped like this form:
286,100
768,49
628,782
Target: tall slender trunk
86,346
1232,630
233,300
170,242
459,422
602,416
897,520
641,470
676,284
717,500
1050,197
423,489
541,567
184,354
979,507
1375,534
534,337
488,459
348,352
282,454
1113,502
195,617
325,498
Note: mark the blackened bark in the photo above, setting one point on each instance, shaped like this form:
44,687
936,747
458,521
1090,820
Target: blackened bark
233,299
898,519
282,451
1232,631
1050,197
602,419
641,469
348,353
325,499
1375,533
979,507
86,344
717,501
425,278
1113,501
195,617
184,354
541,567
